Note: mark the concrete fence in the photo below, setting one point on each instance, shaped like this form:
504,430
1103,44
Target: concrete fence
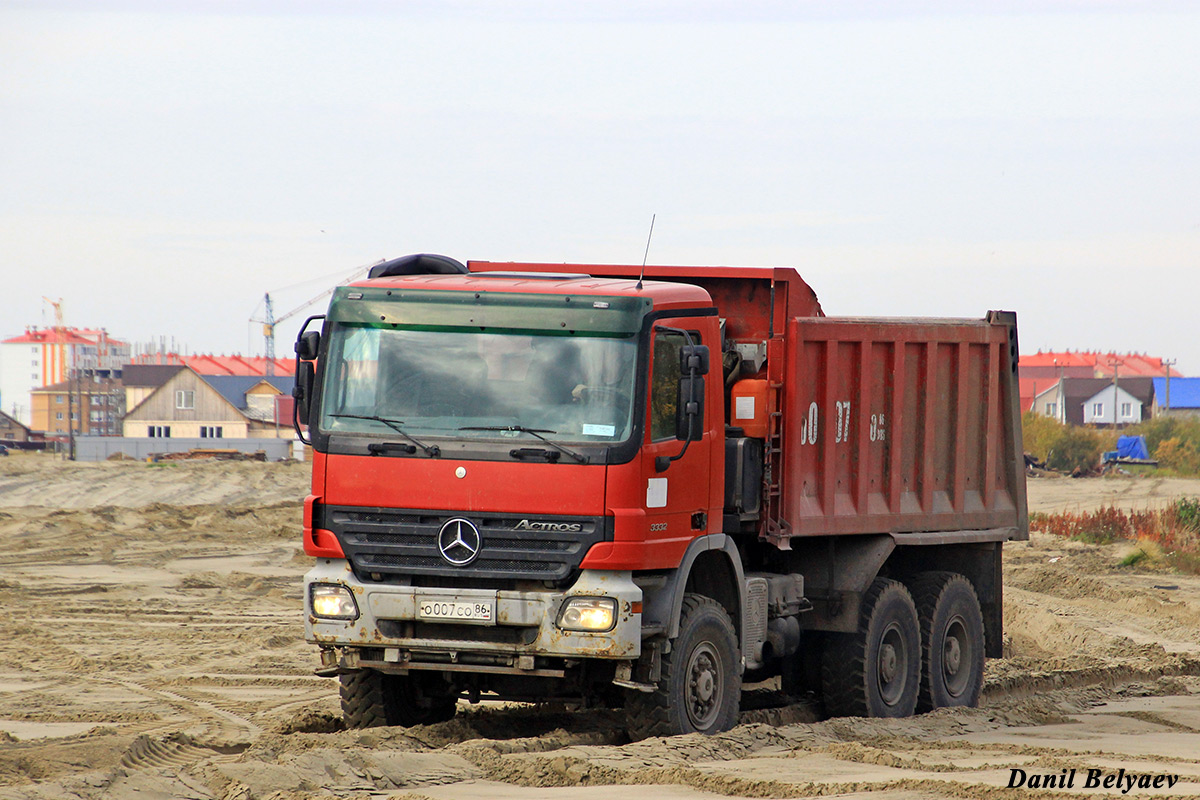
99,448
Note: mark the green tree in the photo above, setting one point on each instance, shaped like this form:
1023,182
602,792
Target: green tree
1064,447
1040,433
1078,448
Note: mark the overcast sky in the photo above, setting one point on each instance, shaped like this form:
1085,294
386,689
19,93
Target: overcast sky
163,164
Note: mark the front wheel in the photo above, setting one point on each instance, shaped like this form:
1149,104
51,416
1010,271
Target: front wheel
876,671
701,677
370,698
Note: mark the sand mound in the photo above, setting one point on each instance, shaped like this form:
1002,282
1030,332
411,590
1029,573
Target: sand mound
152,647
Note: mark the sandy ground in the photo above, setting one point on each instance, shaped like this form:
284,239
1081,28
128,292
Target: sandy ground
151,647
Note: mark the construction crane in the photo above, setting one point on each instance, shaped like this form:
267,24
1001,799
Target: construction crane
59,324
269,320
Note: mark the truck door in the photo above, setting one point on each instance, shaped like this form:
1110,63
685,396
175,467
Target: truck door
678,499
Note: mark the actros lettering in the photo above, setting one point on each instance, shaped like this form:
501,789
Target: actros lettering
556,527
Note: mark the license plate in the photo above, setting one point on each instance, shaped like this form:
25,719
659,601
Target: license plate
457,610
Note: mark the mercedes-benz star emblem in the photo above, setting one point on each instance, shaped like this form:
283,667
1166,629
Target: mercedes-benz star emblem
459,541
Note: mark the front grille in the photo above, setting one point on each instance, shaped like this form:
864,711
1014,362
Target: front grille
417,540
404,542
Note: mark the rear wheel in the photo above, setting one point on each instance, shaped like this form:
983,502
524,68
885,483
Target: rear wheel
875,672
370,698
951,640
701,679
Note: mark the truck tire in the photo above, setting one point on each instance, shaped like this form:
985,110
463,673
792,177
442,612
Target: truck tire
876,671
701,677
371,699
951,640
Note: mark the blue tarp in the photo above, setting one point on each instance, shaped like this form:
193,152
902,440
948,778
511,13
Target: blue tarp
1132,447
1129,447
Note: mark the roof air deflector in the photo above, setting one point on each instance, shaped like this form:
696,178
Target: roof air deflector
418,264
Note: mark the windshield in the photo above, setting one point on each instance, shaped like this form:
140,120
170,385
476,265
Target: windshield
457,383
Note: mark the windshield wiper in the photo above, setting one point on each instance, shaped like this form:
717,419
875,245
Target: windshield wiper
582,459
430,450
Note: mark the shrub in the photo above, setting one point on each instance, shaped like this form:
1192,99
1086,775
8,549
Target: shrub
1040,433
1078,448
1134,557
1160,429
1064,447
1176,529
1178,454
1174,442
1100,527
1187,512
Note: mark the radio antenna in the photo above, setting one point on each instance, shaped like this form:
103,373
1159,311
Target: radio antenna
647,253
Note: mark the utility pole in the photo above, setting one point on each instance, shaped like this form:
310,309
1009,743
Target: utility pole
1060,410
1168,363
1116,363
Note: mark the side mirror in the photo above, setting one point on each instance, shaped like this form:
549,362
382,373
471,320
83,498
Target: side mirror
689,408
693,359
307,345
689,403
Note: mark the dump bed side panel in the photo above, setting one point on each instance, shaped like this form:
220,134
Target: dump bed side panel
901,426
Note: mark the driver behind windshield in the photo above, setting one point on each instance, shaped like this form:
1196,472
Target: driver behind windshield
607,381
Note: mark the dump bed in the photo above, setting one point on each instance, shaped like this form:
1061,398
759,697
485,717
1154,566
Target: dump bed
897,425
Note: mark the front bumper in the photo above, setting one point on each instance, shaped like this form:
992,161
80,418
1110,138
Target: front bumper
521,637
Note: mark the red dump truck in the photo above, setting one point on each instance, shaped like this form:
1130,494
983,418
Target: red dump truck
648,487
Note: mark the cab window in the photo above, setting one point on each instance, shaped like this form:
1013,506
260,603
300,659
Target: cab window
664,387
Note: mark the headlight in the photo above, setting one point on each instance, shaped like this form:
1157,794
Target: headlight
330,601
591,614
